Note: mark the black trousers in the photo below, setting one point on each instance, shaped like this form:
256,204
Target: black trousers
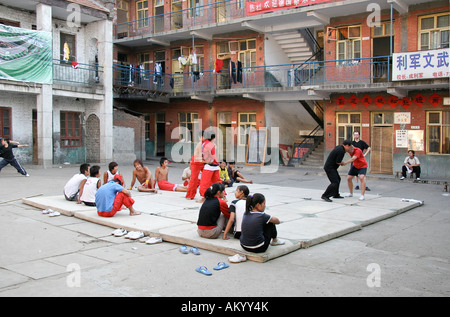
335,179
416,169
270,232
13,162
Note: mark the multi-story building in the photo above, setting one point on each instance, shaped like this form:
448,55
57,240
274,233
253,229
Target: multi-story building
380,67
56,79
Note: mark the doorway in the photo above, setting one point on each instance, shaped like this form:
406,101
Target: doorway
381,49
92,139
160,134
224,143
382,140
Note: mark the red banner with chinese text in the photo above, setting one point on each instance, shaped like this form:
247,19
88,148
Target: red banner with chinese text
254,8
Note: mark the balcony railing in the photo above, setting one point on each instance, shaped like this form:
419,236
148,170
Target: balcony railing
76,73
350,71
189,17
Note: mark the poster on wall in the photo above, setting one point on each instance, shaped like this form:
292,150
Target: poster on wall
421,65
401,138
25,55
415,140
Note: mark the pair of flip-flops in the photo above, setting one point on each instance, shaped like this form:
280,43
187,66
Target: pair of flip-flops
204,270
184,249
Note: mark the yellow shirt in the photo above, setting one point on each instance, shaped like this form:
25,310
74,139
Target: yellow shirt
223,173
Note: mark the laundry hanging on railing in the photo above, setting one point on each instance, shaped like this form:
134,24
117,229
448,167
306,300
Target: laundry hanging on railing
158,77
232,72
239,72
218,64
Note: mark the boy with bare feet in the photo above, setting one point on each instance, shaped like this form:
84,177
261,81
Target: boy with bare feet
144,177
162,178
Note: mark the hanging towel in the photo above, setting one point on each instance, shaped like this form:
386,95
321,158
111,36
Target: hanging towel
218,65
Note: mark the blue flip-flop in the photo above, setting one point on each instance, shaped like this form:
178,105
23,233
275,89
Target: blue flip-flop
183,249
195,250
203,270
221,265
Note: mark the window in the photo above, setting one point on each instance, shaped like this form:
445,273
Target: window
196,8
438,132
142,13
434,31
384,29
247,52
70,129
5,123
348,42
190,121
122,19
144,60
347,123
246,121
147,127
67,48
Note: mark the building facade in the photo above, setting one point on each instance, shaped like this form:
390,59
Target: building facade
67,116
293,67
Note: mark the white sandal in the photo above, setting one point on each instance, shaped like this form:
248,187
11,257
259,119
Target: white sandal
237,258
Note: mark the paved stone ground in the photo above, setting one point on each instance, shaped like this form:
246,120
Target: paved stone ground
407,255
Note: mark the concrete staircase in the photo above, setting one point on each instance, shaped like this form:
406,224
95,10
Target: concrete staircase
294,45
315,158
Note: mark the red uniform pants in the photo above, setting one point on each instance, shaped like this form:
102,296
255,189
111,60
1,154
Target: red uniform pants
120,200
194,182
208,178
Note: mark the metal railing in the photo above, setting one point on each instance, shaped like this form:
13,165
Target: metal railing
199,15
77,73
357,70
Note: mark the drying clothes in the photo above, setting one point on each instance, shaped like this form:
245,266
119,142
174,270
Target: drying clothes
218,64
233,72
239,72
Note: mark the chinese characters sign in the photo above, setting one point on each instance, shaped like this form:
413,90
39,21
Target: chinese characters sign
273,5
421,65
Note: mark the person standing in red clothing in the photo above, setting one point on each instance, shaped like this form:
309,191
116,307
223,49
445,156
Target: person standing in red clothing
197,165
358,168
210,173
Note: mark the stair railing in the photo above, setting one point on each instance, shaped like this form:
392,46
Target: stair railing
307,145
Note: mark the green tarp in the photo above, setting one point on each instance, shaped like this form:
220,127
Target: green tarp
25,55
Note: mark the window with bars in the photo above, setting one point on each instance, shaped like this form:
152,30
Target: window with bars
70,129
438,132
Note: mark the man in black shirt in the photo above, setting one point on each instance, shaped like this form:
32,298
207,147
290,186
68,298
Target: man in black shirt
6,151
332,163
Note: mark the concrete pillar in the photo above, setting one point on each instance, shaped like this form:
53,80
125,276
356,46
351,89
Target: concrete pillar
44,101
105,54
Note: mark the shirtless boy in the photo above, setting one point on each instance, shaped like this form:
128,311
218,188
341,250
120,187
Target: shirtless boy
162,176
144,177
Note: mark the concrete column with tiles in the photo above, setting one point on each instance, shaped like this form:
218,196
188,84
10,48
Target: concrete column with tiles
44,101
105,53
